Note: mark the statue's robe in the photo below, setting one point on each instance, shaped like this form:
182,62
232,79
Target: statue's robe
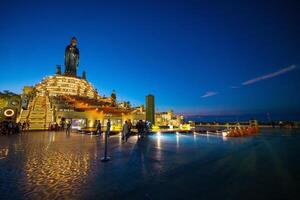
71,60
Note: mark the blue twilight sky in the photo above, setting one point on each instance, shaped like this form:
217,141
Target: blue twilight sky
197,57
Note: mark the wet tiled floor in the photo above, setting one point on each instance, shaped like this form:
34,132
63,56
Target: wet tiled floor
49,165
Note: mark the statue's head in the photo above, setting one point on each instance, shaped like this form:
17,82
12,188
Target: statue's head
73,41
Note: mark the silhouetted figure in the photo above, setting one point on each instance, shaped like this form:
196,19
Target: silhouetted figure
56,127
23,126
27,124
140,126
147,127
98,130
62,125
129,127
125,131
68,130
19,127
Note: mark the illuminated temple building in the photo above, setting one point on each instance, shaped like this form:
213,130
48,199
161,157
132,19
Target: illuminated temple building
68,97
61,98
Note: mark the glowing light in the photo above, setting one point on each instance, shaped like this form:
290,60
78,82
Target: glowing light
224,133
9,112
185,127
155,127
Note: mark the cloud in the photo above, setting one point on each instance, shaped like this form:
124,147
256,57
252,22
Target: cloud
209,94
235,87
271,75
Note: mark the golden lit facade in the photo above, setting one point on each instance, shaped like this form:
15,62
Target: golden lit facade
64,98
65,85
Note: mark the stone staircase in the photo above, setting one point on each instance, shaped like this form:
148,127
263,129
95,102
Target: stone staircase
38,113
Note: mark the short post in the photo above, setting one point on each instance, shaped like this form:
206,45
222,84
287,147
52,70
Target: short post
105,158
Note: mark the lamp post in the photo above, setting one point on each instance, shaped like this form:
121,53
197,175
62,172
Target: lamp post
106,158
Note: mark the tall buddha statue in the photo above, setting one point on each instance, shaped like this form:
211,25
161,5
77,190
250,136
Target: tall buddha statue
71,58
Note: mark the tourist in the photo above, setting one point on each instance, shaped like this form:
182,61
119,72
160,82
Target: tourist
68,130
129,127
125,131
108,127
23,126
143,126
98,130
56,127
28,124
62,125
140,129
19,127
10,127
147,127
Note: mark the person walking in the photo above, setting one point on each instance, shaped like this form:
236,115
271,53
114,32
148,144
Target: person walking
108,125
99,131
125,131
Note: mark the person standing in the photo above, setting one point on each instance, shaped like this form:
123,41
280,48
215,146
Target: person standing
147,127
56,127
139,127
125,131
19,127
108,125
142,129
99,131
23,126
68,130
62,125
28,124
129,127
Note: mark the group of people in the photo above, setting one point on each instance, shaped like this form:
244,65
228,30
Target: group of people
55,127
99,128
9,127
63,126
141,126
126,130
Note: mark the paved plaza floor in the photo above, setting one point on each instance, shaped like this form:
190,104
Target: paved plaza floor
51,165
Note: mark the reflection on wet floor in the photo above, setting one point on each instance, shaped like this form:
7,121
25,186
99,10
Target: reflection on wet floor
50,165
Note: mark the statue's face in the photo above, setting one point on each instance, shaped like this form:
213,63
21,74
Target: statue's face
73,42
